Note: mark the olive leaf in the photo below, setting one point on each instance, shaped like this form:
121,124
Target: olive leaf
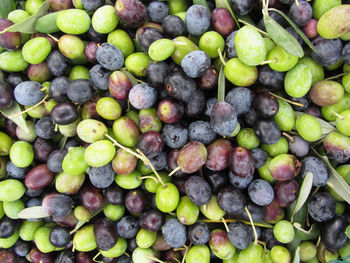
304,192
220,4
296,258
28,24
310,234
18,119
325,126
282,37
335,180
221,85
294,244
228,6
32,213
132,79
6,6
63,142
301,34
201,2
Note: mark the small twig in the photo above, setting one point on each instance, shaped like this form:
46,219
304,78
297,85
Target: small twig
297,2
174,171
264,245
54,38
337,76
29,109
338,115
221,57
249,24
96,256
122,147
225,224
289,101
147,162
187,248
155,259
289,137
149,177
56,127
268,61
252,223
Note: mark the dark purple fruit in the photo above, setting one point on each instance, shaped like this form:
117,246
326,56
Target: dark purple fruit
123,162
267,131
337,147
36,256
42,149
119,85
179,86
241,162
172,162
91,197
265,105
114,195
64,113
218,155
198,190
57,204
321,207
59,236
231,200
146,35
39,177
6,96
209,79
223,118
7,227
156,73
333,232
135,201
105,234
152,220
151,143
222,21
83,258
273,212
286,192
132,13
9,40
90,52
170,111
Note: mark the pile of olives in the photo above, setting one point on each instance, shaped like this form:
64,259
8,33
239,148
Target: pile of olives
174,131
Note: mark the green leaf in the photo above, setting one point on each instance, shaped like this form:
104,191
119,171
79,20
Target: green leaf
347,231
221,85
63,142
228,6
6,6
294,245
282,37
304,192
32,212
132,79
19,120
296,258
28,25
310,234
201,2
326,126
301,34
335,180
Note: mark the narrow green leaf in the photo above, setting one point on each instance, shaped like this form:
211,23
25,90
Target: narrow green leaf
347,231
305,235
6,6
132,79
335,180
201,2
32,212
327,127
221,85
304,192
293,246
282,37
63,142
28,25
296,258
301,34
220,4
19,120
228,6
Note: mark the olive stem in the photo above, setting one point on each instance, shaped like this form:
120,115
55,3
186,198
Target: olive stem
337,76
178,261
54,38
225,224
96,256
264,245
155,259
123,147
252,223
249,24
221,57
338,115
268,61
56,127
179,248
234,220
184,257
290,138
148,162
81,223
149,177
284,99
174,171
297,2
30,108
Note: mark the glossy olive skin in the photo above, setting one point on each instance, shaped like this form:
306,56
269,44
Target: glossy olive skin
39,177
333,232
